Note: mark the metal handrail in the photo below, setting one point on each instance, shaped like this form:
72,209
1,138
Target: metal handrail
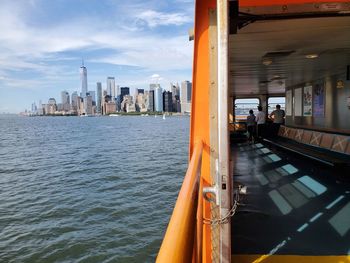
180,242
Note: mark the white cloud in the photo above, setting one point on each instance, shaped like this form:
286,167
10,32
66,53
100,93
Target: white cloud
153,18
155,76
34,48
133,48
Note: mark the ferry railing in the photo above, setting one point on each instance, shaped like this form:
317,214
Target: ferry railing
183,238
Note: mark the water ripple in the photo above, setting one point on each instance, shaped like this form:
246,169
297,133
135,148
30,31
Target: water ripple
88,189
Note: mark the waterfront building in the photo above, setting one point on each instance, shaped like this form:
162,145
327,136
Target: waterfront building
175,89
108,107
34,108
141,101
167,101
60,107
123,92
75,102
81,109
92,93
151,100
88,105
42,109
146,97
51,106
118,98
83,80
99,98
111,87
135,96
46,109
158,99
185,96
118,102
65,101
128,105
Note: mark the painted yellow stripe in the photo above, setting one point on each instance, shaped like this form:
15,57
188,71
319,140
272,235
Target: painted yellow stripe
289,259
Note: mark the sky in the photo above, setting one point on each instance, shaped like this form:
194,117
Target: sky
42,44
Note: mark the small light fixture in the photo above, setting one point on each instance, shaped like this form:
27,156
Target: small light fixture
267,61
340,84
311,56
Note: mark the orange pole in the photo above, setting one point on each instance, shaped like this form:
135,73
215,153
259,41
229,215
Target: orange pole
179,238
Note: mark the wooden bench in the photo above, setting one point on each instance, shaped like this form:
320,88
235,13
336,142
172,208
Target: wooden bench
328,148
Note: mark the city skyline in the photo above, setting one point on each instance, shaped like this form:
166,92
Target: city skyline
42,43
115,99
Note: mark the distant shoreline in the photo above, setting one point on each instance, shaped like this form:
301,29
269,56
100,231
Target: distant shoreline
118,114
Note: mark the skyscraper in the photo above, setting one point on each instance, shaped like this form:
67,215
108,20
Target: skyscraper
185,96
151,100
92,93
51,106
175,89
118,98
158,99
186,92
88,105
123,92
167,101
75,101
153,86
111,87
65,101
83,80
99,98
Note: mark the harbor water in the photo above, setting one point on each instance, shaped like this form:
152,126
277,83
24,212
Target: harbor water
98,189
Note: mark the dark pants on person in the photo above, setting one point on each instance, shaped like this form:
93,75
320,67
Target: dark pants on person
260,131
251,132
275,129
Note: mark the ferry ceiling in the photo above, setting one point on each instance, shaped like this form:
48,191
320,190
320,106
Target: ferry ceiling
277,44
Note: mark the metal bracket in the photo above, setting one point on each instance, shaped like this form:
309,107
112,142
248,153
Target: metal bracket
214,190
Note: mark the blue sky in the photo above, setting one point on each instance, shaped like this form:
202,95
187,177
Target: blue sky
42,43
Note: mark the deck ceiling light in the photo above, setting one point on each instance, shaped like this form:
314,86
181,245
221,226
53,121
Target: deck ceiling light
267,61
311,56
340,84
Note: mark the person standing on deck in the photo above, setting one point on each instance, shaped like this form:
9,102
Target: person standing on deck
278,119
251,126
260,120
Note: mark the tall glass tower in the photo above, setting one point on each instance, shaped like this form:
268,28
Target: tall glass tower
99,98
83,79
158,99
111,87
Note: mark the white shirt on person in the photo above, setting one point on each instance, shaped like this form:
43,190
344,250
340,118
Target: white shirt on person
260,118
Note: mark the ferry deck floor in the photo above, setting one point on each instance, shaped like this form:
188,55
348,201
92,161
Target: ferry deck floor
293,206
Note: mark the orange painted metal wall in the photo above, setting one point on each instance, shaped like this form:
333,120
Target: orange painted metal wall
200,122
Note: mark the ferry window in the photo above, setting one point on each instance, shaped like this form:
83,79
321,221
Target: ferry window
273,101
242,107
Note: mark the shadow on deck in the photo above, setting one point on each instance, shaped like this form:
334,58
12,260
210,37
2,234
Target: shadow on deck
293,206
